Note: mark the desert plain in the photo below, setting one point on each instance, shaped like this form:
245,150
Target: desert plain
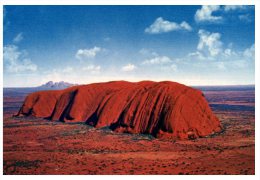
39,146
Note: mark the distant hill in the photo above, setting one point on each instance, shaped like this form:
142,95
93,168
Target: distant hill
56,85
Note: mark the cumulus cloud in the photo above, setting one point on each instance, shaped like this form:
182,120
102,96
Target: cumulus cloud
205,14
18,38
157,60
129,67
92,69
162,26
16,61
209,42
229,52
87,53
185,26
211,48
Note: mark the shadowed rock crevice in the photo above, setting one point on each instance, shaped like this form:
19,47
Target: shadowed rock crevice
93,119
66,113
162,109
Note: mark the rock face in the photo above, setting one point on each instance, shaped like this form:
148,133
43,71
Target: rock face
162,109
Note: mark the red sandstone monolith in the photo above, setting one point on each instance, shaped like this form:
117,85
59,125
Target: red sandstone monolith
162,109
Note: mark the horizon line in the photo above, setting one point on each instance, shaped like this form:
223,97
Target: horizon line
191,85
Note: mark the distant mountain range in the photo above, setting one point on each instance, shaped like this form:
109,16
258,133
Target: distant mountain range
56,85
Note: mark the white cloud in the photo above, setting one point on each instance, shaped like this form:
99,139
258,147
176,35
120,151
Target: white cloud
205,14
87,53
147,52
209,42
15,61
185,26
234,7
227,59
92,69
162,26
160,62
229,52
245,17
250,52
129,67
18,38
157,60
197,55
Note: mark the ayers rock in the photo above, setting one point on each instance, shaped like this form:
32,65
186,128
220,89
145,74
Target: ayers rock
162,109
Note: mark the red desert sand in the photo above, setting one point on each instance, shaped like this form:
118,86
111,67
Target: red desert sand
162,109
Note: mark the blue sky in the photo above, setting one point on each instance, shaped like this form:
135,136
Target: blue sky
194,45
